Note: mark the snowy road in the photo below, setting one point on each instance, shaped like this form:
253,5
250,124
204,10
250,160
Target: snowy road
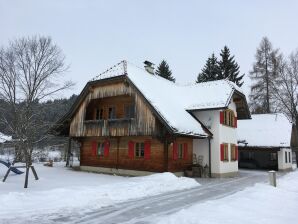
147,209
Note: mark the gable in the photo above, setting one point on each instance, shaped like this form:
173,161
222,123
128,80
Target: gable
144,122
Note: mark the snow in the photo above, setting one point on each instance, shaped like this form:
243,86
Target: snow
171,100
63,190
4,138
265,130
261,203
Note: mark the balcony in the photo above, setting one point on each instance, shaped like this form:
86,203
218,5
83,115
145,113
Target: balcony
111,127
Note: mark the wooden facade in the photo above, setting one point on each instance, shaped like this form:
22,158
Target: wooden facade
101,117
115,95
118,156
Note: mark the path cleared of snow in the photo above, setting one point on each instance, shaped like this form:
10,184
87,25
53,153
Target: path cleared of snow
62,190
259,204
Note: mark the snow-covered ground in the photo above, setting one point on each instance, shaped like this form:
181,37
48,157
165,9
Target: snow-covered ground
60,190
259,204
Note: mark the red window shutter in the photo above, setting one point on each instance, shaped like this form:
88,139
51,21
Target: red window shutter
236,152
222,152
94,148
106,149
185,151
221,117
131,149
175,151
147,150
235,122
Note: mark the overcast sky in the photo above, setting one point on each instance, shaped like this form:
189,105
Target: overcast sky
95,35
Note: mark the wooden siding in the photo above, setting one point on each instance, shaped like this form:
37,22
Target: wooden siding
119,146
180,164
144,123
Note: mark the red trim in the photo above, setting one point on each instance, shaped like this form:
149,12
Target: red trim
221,117
235,122
94,148
147,149
131,149
106,149
222,152
185,151
175,151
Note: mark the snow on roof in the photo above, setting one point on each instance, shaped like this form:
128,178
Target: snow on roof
4,138
171,100
265,130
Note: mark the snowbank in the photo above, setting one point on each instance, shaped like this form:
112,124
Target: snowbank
259,204
71,192
4,138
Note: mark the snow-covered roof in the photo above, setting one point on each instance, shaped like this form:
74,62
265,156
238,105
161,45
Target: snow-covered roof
265,130
4,138
171,100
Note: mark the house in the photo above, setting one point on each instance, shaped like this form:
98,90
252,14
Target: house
129,121
265,142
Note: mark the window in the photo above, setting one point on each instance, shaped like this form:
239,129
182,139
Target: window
289,157
228,118
224,151
139,150
99,114
273,156
180,151
129,111
286,156
112,113
100,148
233,152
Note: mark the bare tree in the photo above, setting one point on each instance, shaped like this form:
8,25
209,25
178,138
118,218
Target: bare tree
285,87
30,70
263,73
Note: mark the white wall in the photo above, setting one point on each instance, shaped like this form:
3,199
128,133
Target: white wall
282,165
221,134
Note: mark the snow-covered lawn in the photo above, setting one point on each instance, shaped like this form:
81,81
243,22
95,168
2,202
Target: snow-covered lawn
61,190
254,205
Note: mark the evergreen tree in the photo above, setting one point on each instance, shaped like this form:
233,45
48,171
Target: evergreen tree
211,70
229,69
263,75
164,71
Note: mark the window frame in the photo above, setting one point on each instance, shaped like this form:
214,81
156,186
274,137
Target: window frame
112,115
180,151
229,118
100,148
139,150
226,152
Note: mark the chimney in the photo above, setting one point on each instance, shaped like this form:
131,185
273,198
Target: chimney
149,66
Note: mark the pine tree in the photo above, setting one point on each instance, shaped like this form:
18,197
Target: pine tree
164,71
229,69
263,75
210,72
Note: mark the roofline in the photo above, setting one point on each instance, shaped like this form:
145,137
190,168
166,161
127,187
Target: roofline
204,127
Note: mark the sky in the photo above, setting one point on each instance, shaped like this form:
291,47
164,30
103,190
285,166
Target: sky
95,35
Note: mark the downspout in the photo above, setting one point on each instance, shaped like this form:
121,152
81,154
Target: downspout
209,145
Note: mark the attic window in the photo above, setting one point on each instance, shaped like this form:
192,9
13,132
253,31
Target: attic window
229,118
